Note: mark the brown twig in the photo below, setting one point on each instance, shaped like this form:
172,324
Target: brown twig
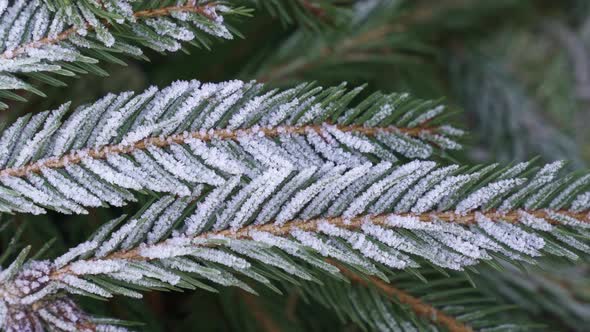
75,157
381,220
420,308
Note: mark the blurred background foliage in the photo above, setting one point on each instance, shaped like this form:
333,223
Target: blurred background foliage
517,71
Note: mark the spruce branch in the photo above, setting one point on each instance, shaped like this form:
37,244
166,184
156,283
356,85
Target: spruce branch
422,300
190,134
347,51
75,157
310,14
374,36
422,309
318,192
38,39
57,312
369,219
207,10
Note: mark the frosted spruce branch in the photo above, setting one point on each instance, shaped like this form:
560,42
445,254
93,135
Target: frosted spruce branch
190,134
369,218
59,313
37,39
207,10
411,301
422,300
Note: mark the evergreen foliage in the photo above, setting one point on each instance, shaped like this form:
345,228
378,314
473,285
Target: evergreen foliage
290,204
39,38
190,134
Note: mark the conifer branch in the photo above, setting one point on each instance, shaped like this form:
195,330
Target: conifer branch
353,224
205,10
75,157
374,308
190,134
59,314
422,309
346,201
56,312
310,14
38,39
351,49
376,35
356,223
367,218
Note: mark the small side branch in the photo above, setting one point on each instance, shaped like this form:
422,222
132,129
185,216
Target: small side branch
204,10
420,308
